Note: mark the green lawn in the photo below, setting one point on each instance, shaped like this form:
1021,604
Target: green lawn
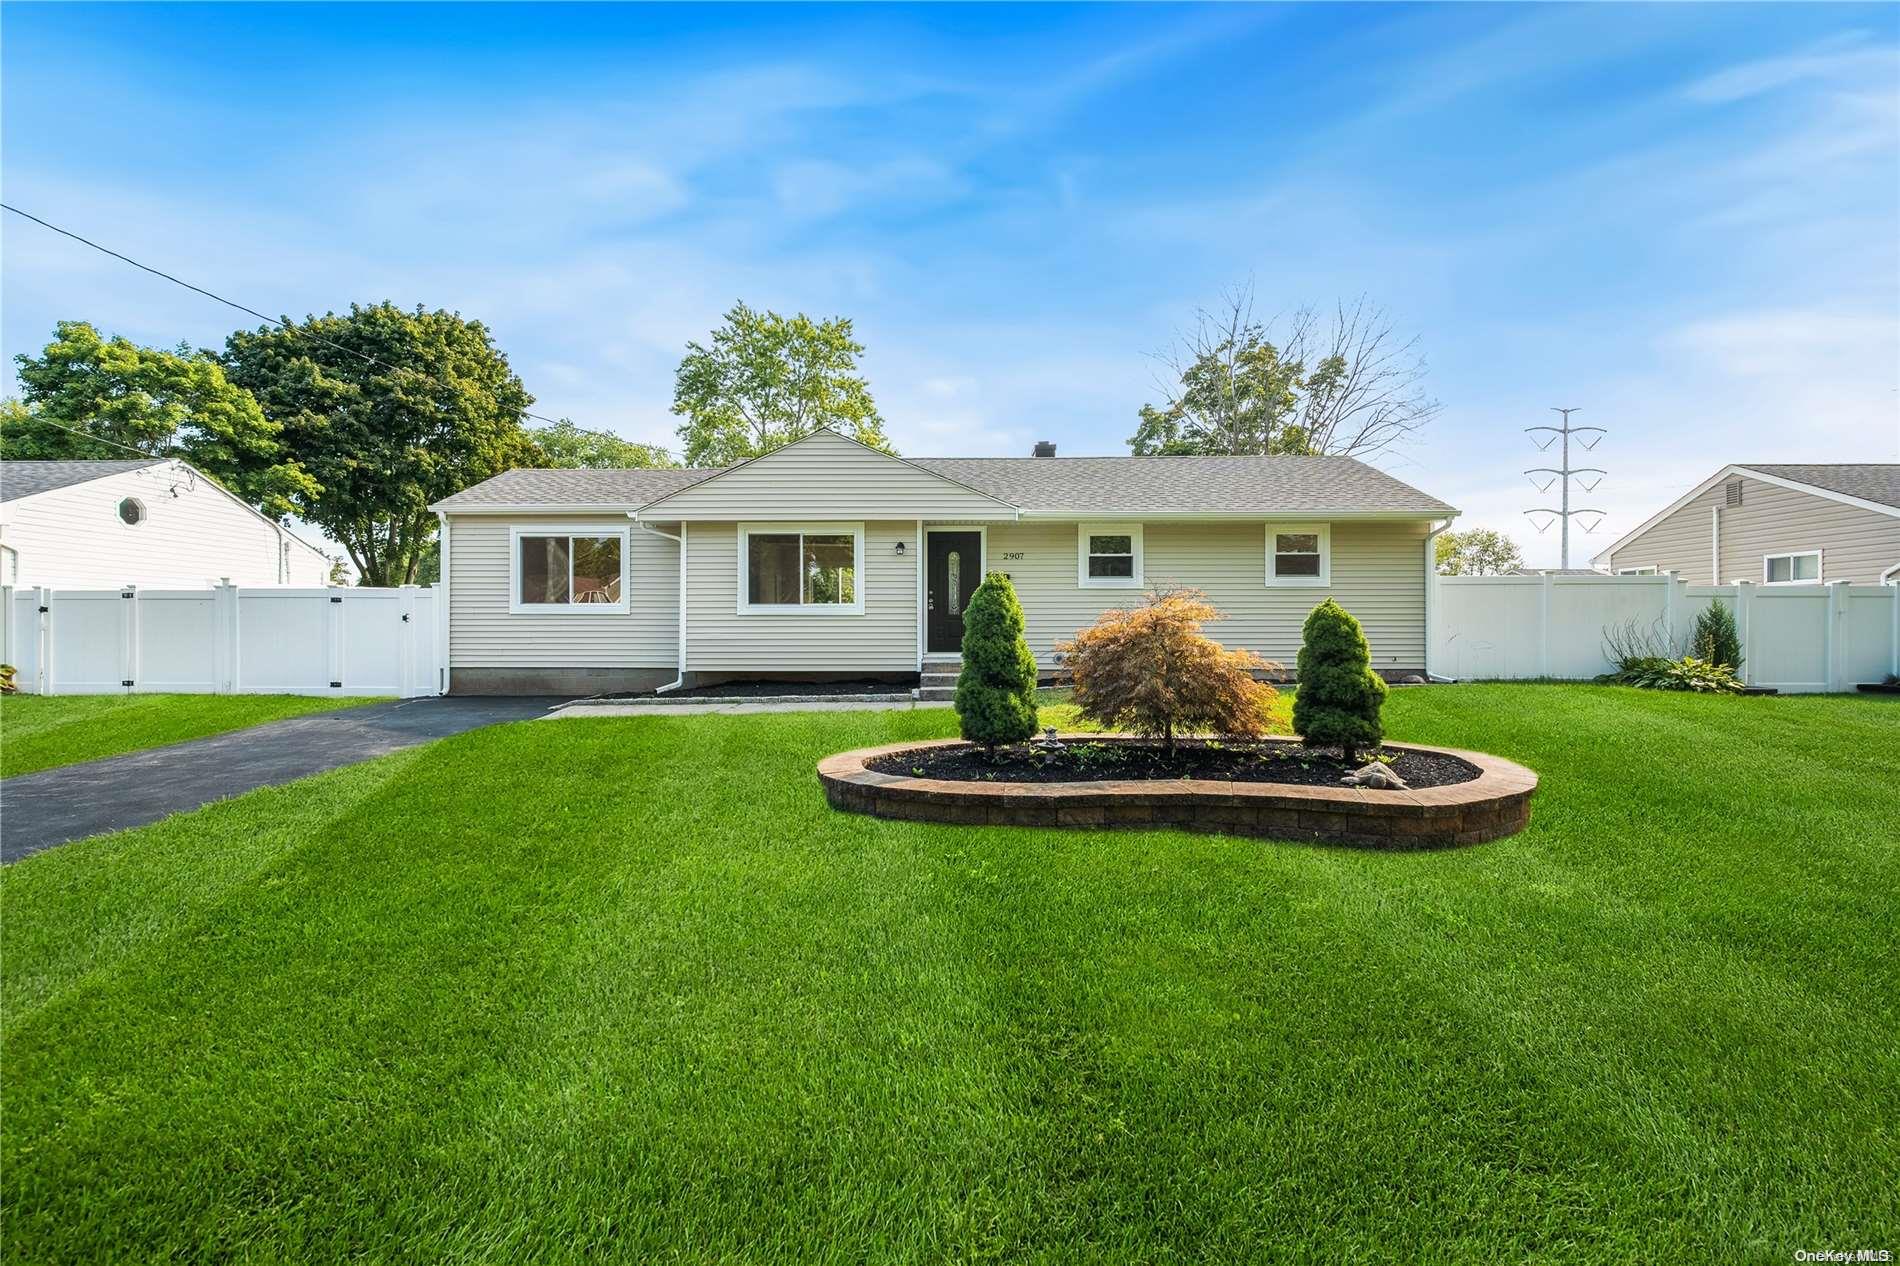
627,988
41,731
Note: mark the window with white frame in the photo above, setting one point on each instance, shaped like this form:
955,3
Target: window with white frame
1791,569
1299,554
801,569
1108,556
574,570
1637,571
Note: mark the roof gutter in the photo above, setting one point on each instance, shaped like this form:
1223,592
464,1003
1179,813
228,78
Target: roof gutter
1249,516
1431,594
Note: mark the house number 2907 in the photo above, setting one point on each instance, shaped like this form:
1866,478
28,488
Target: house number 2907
1011,556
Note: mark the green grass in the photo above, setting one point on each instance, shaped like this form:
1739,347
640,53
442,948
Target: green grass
41,731
626,988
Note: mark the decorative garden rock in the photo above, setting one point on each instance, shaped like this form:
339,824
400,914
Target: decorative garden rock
1376,775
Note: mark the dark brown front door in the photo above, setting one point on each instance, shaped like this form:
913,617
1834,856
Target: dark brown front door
953,568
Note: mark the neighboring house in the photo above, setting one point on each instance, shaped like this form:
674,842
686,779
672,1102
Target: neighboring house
826,558
1773,525
154,522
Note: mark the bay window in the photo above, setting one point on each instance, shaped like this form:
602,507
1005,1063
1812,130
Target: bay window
801,569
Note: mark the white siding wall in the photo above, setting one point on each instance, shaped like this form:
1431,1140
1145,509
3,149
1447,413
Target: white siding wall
818,476
1378,574
1856,544
483,633
883,639
73,536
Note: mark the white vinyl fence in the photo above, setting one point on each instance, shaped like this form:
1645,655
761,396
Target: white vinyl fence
1795,638
222,640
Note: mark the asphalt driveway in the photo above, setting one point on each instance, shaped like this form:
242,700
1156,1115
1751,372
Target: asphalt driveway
71,802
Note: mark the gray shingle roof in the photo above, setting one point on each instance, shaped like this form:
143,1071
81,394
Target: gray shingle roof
1062,485
23,479
1870,482
1157,485
573,487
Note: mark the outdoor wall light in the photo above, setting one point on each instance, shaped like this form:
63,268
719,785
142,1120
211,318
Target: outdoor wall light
900,549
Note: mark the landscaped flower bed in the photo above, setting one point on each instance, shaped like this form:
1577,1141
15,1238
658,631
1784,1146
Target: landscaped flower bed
1479,797
1090,759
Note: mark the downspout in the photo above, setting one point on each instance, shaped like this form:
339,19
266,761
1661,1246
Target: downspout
680,541
1715,545
283,553
1431,589
1889,577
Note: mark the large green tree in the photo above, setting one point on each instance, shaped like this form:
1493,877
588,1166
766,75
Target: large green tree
390,409
1339,383
1476,552
765,381
86,396
567,446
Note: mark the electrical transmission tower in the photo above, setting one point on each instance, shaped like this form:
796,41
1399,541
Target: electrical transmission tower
1562,475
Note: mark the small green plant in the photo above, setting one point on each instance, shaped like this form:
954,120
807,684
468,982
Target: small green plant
1339,695
1688,673
996,691
1715,638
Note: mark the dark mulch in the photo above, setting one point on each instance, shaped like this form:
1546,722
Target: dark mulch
1076,760
766,689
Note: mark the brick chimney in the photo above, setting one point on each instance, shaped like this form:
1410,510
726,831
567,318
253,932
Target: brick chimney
1044,448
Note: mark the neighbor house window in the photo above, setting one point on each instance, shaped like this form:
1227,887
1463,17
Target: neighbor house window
131,512
1636,571
1791,569
1108,556
582,570
801,569
1299,554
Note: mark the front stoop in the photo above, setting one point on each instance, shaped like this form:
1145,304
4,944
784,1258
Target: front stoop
938,682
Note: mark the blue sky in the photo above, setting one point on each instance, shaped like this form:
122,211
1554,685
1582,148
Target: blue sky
1685,219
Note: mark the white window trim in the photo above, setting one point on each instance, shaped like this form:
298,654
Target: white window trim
1131,530
1325,533
1646,570
854,607
519,530
1820,570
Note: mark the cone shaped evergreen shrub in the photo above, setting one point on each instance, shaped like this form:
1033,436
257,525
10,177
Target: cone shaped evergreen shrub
1716,640
1339,695
996,691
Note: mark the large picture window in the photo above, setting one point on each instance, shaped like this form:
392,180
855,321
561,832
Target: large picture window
1109,556
582,570
1299,554
801,569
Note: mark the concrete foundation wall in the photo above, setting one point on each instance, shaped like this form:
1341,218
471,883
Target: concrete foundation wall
554,681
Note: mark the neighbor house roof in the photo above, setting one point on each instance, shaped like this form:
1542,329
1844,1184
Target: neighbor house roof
1870,485
1037,485
1867,481
26,479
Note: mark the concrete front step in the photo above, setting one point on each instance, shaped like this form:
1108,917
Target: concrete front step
936,694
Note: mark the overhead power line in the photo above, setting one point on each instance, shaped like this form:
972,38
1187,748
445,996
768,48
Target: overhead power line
229,303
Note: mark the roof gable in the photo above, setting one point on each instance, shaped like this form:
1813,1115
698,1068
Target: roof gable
825,475
1875,486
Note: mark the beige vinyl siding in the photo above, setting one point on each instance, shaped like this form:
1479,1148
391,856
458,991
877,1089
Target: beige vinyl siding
822,477
1378,573
883,639
1856,544
193,535
484,634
